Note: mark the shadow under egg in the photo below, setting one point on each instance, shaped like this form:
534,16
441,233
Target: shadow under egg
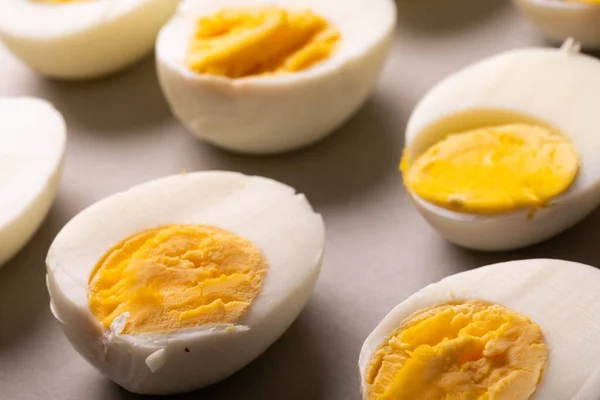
356,158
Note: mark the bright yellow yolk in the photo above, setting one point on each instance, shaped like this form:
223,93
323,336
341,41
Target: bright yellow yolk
494,170
468,351
584,1
240,43
176,277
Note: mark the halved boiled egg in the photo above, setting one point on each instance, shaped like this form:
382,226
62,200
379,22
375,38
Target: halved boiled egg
33,138
266,76
518,330
504,153
79,39
561,19
177,283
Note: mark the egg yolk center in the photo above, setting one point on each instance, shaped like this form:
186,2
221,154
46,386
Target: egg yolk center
494,170
584,1
59,1
469,351
175,277
237,43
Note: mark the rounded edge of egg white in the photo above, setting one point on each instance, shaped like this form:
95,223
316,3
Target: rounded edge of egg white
559,278
524,227
20,227
87,40
558,20
177,362
266,115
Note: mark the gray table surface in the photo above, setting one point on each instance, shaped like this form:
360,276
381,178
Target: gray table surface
379,250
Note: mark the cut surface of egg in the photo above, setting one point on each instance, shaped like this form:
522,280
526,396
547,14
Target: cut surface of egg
562,19
502,154
504,331
32,146
178,283
81,39
257,76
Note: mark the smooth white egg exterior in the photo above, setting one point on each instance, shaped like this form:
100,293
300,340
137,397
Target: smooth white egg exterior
272,114
269,214
560,296
559,20
33,138
84,39
558,87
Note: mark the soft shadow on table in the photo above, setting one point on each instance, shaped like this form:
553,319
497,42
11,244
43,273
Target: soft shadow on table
290,369
579,244
354,159
127,101
438,17
23,294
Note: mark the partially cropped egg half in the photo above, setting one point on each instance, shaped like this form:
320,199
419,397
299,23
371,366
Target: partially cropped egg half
521,330
177,283
81,39
561,19
258,76
503,154
32,146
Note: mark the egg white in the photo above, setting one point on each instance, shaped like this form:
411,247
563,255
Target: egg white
559,88
269,114
83,39
560,296
560,19
267,213
32,147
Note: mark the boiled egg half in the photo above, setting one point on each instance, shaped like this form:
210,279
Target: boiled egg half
267,76
518,330
503,154
33,138
561,19
80,39
178,283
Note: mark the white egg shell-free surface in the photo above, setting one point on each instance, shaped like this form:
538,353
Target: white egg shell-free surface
32,147
558,87
269,214
270,114
561,296
560,19
83,39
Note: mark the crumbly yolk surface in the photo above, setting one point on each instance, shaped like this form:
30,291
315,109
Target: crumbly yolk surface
468,351
237,43
175,277
494,170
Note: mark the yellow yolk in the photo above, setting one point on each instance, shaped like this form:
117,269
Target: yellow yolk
494,170
468,351
240,43
59,1
175,277
584,1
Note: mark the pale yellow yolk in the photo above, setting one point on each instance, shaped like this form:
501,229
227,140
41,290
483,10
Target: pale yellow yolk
494,170
59,1
240,43
175,277
468,351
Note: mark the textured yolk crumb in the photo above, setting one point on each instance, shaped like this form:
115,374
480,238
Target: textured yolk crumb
468,351
176,277
258,41
494,170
